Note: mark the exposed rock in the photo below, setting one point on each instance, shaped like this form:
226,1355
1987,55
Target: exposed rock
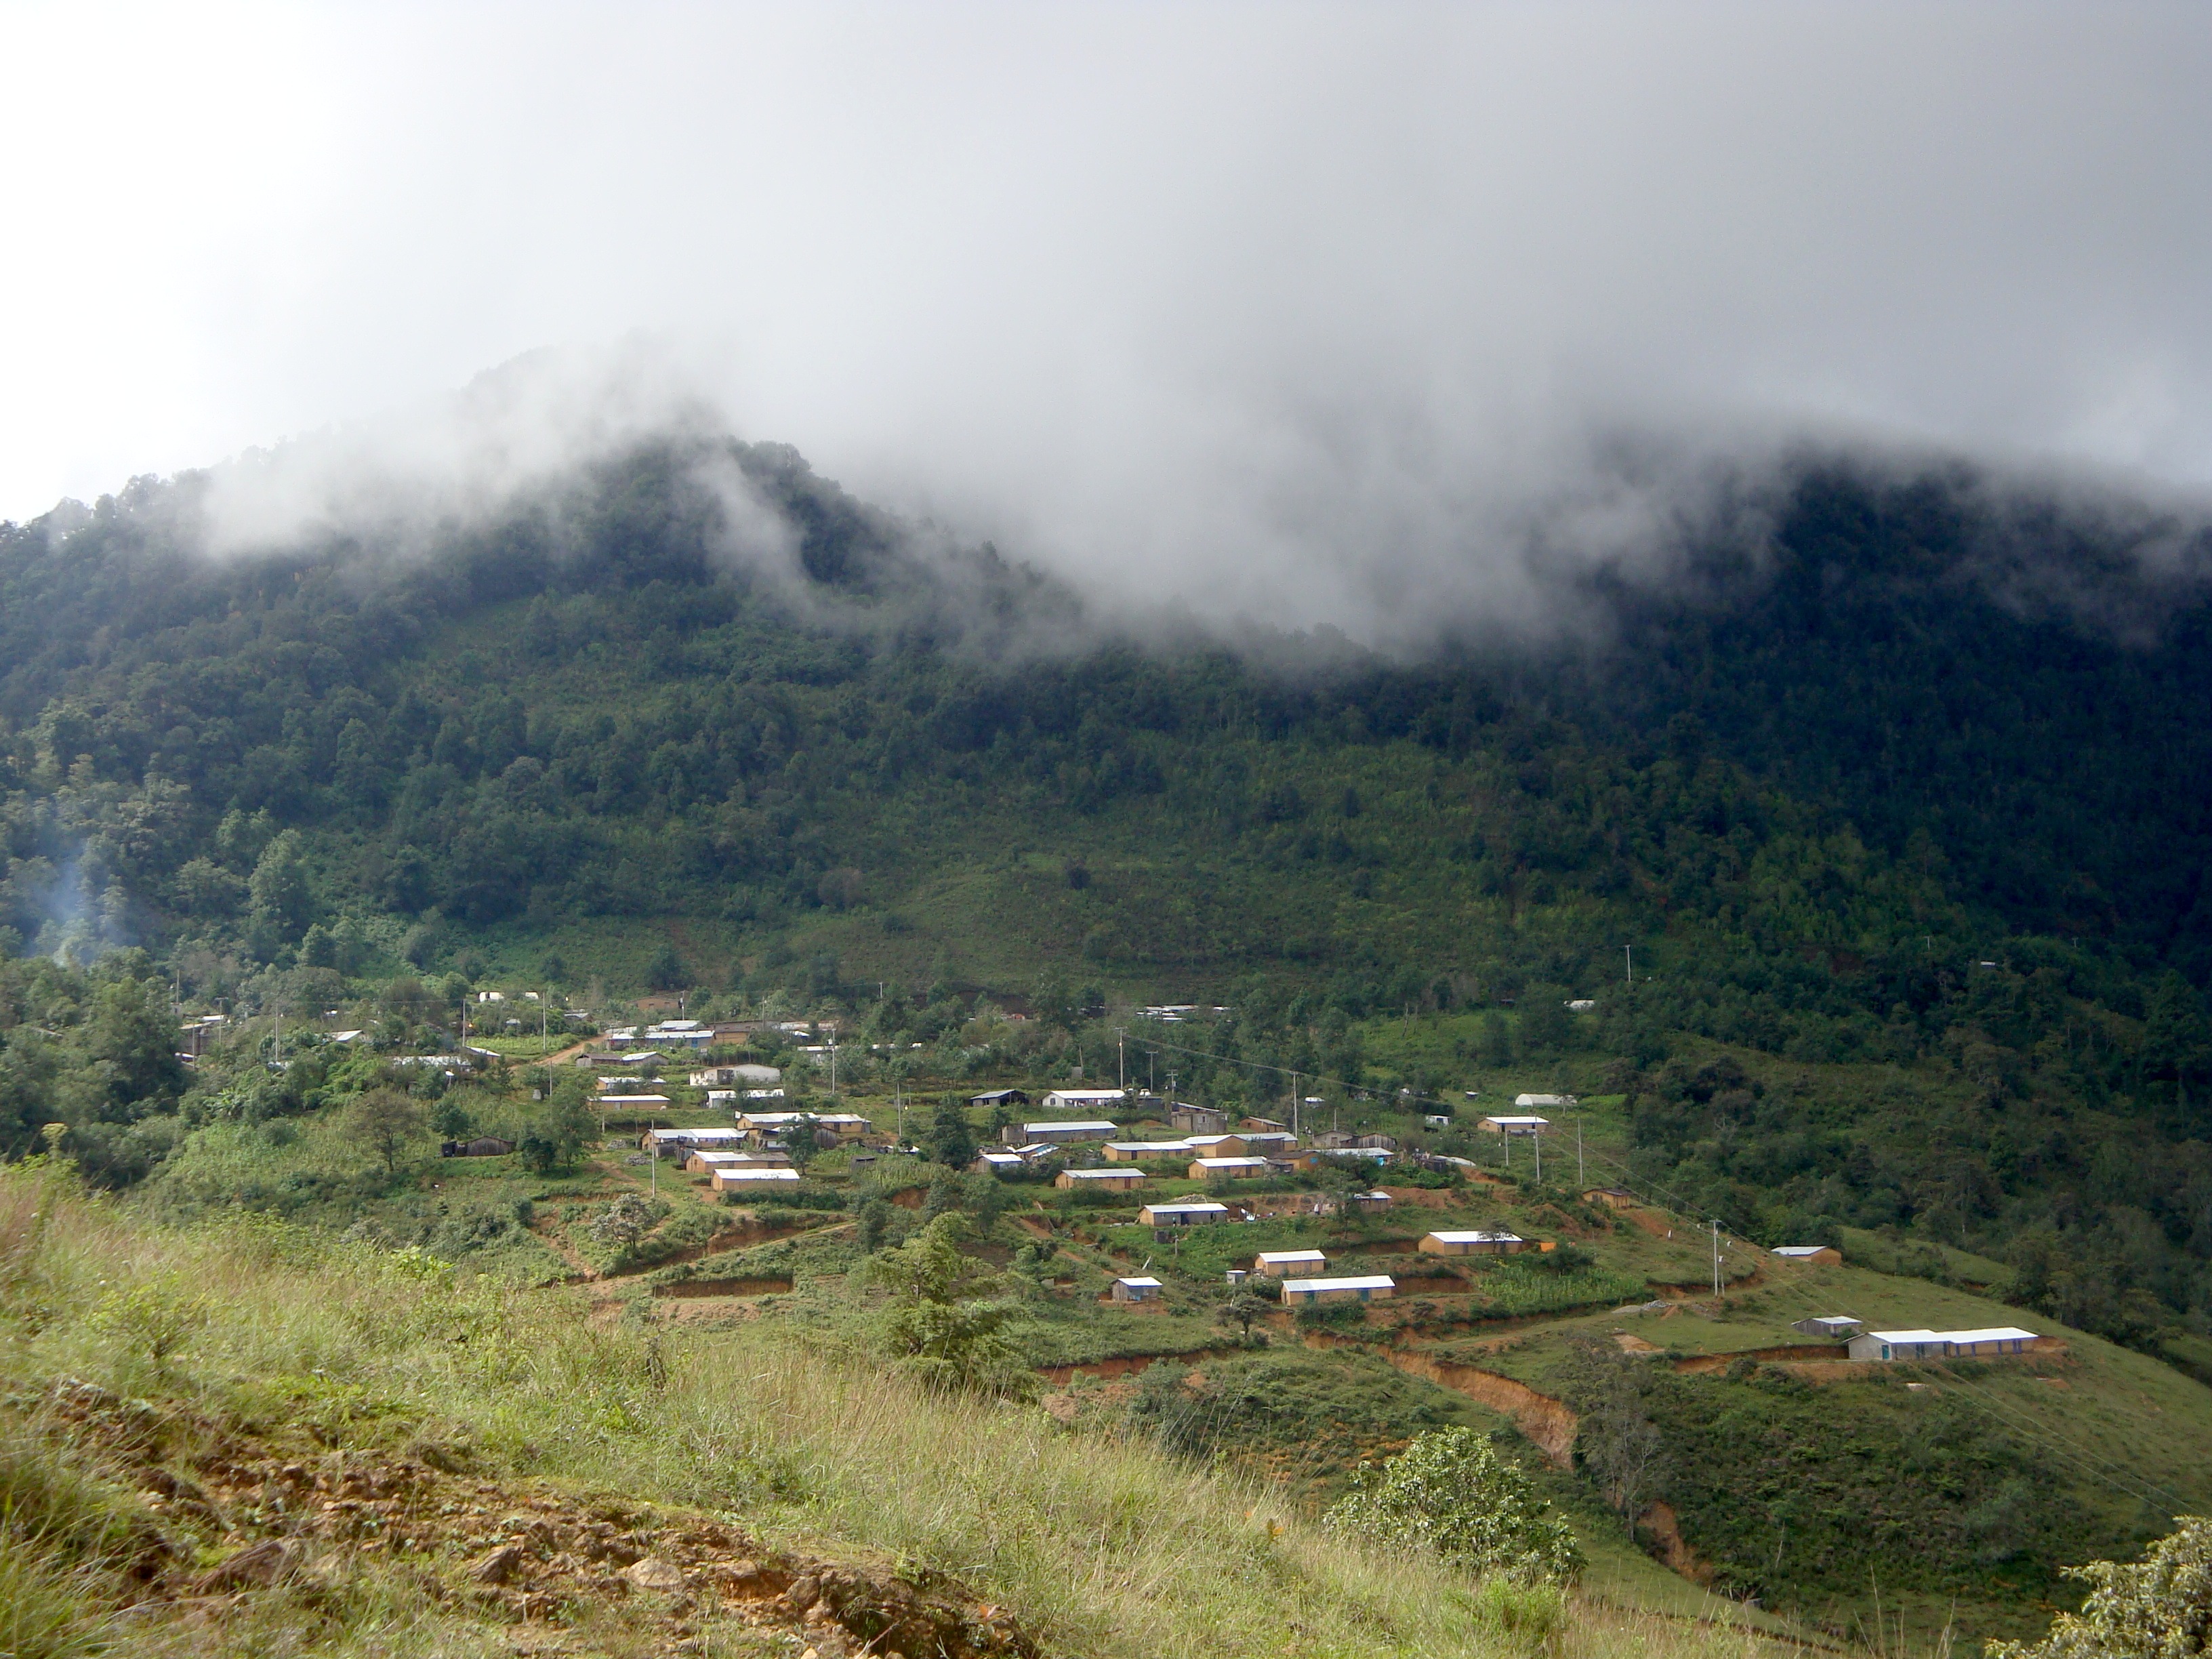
501,1565
654,1574
255,1567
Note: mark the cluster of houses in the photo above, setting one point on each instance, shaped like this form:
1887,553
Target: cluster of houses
1205,1147
1305,1283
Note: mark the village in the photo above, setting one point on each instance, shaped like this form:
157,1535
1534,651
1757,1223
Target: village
1177,1166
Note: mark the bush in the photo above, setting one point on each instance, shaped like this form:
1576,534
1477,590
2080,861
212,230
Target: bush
1449,1493
2160,1609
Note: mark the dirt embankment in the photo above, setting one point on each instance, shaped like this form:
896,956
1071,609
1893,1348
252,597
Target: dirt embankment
554,1565
1673,1549
1548,1423
1699,1364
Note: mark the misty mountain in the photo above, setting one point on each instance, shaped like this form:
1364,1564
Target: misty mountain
1917,779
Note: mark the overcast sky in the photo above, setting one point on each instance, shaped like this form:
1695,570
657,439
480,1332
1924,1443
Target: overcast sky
1318,312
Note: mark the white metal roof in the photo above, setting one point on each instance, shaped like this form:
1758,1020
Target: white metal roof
755,1175
1229,1162
1802,1249
1521,1121
1907,1339
1998,1334
1477,1236
1376,1282
1105,1174
1187,1209
1140,1284
1836,1319
1087,1125
1292,1256
1148,1145
1088,1094
633,1100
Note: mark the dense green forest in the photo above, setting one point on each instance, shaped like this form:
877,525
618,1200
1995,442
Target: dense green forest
1918,795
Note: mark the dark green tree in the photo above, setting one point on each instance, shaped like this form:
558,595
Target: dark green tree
952,1140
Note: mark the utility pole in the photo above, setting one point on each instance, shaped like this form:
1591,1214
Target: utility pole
1122,1058
1628,952
1716,1260
1538,1138
1581,1180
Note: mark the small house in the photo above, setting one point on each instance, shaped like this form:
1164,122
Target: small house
1228,1169
1437,1120
1834,1327
482,1146
753,1178
1222,1146
1264,1125
684,1142
1897,1344
1374,1200
1136,1290
1198,1120
998,1162
1985,1345
1809,1255
1472,1243
634,1105
1133,1152
1515,1123
991,1100
1084,1100
1061,1132
1379,1287
705,1163
1282,1264
1377,1143
1271,1143
1181,1215
838,1126
1099,1180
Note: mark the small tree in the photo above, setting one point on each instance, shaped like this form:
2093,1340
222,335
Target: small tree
1449,1493
1241,1307
665,970
2159,1609
1497,1041
384,1123
1339,1183
945,1321
951,1142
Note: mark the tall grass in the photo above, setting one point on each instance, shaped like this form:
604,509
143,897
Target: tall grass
1101,1545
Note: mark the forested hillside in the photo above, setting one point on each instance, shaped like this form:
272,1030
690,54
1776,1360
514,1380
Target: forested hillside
1915,802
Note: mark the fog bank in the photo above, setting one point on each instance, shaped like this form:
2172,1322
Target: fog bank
1371,317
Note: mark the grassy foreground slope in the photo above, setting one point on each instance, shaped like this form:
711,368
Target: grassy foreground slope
249,1438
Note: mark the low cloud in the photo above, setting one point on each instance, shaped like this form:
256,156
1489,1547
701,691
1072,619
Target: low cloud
1396,320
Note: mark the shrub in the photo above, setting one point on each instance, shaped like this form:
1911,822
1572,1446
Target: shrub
2160,1609
1448,1493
